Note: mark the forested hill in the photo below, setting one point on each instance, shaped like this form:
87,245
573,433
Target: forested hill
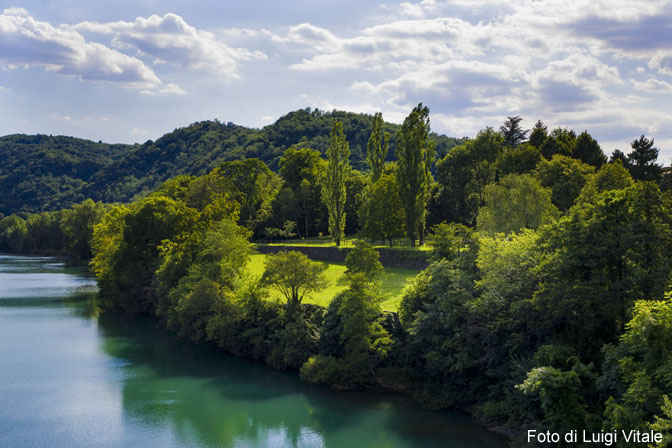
41,173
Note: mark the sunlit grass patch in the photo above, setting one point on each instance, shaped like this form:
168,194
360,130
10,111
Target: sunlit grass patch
392,287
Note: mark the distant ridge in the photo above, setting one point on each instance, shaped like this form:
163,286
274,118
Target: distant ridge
40,172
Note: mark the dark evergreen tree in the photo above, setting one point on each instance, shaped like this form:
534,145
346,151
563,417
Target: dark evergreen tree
588,150
512,132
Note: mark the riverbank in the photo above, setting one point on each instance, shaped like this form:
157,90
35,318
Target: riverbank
76,379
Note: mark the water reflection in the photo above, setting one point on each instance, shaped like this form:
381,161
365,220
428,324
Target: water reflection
74,378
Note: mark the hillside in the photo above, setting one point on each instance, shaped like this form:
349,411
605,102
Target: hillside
41,172
47,173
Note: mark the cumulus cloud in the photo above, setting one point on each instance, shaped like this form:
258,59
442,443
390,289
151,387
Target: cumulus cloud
170,39
26,42
474,61
653,86
662,61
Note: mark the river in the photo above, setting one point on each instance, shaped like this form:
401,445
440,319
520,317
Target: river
70,377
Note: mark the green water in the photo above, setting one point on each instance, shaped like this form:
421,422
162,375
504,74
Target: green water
71,378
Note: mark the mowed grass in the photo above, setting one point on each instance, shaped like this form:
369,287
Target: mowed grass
348,241
392,287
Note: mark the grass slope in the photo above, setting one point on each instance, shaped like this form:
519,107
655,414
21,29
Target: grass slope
392,287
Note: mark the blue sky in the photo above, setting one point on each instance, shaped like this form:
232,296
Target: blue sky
128,71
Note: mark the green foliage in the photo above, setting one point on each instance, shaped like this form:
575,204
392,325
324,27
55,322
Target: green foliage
300,199
508,267
253,186
463,174
663,424
520,160
127,271
365,260
600,258
588,151
538,135
512,133
560,397
365,342
45,234
13,233
377,147
355,191
560,142
77,226
381,214
42,173
333,183
516,202
641,365
612,176
565,177
294,275
450,240
415,156
642,160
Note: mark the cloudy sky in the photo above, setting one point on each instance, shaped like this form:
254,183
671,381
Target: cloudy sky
132,70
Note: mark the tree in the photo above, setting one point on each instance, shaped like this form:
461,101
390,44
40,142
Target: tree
13,234
560,141
601,257
512,132
517,202
588,150
254,186
538,135
364,259
376,147
612,176
126,264
642,160
450,240
638,369
299,199
363,337
565,177
355,188
294,275
333,184
520,160
381,214
463,174
77,227
415,156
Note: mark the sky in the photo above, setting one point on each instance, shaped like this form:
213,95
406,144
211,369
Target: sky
132,70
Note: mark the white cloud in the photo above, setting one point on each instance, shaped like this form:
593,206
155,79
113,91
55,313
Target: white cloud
15,11
653,86
168,89
662,62
170,39
25,42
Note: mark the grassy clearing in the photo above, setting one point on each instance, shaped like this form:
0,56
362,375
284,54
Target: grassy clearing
392,288
349,241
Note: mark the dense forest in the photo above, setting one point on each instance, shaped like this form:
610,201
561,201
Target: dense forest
547,304
45,173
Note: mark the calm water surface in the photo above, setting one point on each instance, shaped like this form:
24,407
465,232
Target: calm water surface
72,378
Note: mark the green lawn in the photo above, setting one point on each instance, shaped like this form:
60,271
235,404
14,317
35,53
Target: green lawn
392,287
325,241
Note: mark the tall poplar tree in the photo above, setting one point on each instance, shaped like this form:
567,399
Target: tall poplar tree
333,186
415,156
376,147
